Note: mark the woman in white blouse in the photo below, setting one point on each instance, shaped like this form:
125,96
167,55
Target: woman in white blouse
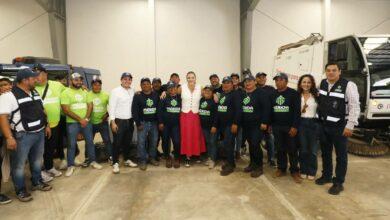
191,136
309,127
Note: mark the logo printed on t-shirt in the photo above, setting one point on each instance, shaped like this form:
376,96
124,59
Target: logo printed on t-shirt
97,101
204,104
280,100
222,100
149,102
173,102
78,97
246,100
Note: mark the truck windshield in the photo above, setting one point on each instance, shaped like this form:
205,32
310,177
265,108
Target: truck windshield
377,51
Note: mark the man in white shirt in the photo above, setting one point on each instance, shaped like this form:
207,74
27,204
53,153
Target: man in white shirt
122,124
23,123
339,110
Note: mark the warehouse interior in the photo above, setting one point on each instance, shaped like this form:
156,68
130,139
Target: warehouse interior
154,38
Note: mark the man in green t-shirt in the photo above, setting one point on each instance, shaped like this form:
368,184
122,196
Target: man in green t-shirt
50,92
78,110
99,114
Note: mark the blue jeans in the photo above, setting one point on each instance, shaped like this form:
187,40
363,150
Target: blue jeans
333,136
29,146
73,129
171,133
308,139
150,133
104,131
211,143
270,145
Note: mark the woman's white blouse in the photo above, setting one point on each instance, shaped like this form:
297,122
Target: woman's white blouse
190,101
311,110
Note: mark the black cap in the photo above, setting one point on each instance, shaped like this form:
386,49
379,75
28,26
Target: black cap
235,75
76,75
174,74
261,74
24,74
126,74
96,78
208,87
249,77
213,75
156,79
171,84
226,79
40,67
281,75
145,79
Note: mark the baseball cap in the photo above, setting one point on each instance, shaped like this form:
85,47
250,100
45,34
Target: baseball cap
40,67
96,78
249,77
213,75
234,75
24,74
126,74
145,79
75,75
156,80
208,87
171,84
261,74
226,79
281,75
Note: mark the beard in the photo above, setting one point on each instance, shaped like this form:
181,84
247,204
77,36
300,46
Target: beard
77,86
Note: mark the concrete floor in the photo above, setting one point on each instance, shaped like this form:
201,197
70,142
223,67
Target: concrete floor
200,193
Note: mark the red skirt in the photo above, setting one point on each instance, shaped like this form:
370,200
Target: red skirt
191,135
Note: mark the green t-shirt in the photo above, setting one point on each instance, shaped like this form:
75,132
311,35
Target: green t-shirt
100,102
52,103
77,101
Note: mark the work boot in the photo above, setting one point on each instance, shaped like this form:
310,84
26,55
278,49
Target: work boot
336,189
256,172
279,173
176,163
296,177
168,162
323,180
228,169
248,169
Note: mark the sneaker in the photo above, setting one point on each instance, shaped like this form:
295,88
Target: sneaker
46,177
130,163
115,168
24,196
207,162
279,173
303,176
176,163
227,170
322,180
41,186
63,165
336,189
168,162
310,177
256,172
69,171
143,166
86,163
211,164
95,165
54,172
296,177
154,162
187,163
77,163
4,199
248,169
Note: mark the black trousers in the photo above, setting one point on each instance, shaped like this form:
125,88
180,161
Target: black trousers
228,144
254,135
51,144
286,148
122,139
62,138
1,159
171,133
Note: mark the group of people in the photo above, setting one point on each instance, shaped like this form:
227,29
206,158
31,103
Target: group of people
215,122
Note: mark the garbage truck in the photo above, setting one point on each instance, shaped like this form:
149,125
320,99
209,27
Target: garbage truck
364,60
